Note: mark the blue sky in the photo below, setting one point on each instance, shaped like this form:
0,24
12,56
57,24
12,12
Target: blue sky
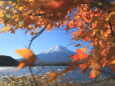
10,42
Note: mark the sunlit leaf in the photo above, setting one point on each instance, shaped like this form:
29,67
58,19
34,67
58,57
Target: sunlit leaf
94,73
52,75
25,53
80,55
4,29
28,55
84,67
83,49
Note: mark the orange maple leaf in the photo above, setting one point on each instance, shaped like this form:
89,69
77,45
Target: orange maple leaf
29,57
112,65
25,53
94,73
75,33
83,49
52,75
84,67
86,39
80,55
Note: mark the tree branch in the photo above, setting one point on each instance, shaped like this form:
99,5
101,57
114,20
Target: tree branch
102,4
36,35
111,28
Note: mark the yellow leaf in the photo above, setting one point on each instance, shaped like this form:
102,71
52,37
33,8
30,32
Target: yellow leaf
31,0
52,75
110,15
25,53
20,8
21,65
84,49
1,2
4,29
94,32
112,62
1,13
112,65
94,73
29,57
95,65
25,63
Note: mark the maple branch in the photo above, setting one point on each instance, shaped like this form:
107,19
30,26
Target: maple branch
102,4
111,28
31,41
40,14
112,31
36,35
71,43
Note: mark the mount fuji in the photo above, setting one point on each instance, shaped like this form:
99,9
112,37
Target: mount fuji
58,55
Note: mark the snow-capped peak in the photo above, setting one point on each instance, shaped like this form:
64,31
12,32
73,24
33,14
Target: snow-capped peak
57,48
56,55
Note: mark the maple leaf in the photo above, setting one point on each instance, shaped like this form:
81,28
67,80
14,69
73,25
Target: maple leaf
80,55
29,57
22,64
84,67
75,33
110,15
112,62
86,39
4,29
112,65
25,53
83,49
95,66
52,75
94,73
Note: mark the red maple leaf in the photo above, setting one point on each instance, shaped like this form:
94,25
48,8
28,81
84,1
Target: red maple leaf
80,55
84,67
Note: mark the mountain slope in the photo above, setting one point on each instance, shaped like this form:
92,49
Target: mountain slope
57,55
8,61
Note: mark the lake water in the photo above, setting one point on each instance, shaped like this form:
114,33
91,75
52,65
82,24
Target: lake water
75,75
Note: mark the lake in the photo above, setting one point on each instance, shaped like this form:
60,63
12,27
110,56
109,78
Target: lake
75,75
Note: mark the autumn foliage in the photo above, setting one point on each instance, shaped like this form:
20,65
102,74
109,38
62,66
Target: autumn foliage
29,57
92,21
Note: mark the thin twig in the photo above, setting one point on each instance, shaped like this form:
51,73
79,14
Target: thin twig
36,35
31,41
111,28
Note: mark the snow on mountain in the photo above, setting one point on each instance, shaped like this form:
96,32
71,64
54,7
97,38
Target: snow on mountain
55,56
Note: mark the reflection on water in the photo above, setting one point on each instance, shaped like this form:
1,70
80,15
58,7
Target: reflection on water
75,75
